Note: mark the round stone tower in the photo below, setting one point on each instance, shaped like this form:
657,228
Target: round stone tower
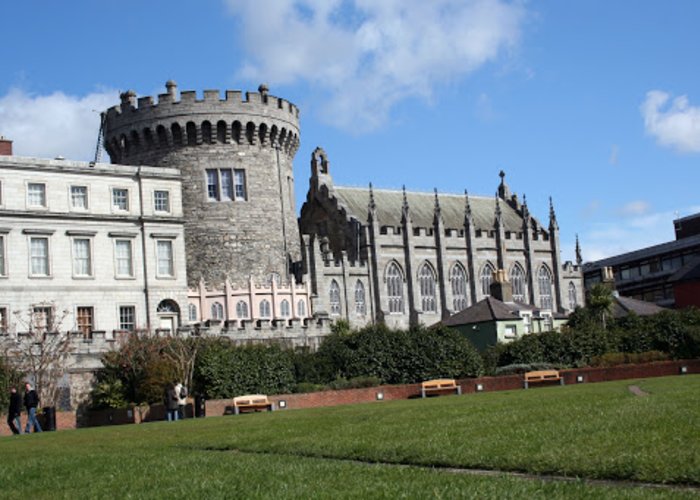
235,156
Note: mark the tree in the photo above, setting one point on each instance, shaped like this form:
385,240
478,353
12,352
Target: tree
600,302
38,348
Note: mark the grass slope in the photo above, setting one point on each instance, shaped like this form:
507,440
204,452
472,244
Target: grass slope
588,431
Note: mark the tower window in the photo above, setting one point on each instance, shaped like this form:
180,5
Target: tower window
225,184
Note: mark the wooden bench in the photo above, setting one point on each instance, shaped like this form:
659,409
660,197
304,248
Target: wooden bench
438,386
543,376
251,403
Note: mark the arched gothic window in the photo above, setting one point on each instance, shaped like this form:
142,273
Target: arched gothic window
360,306
265,309
284,309
458,281
217,311
517,279
242,309
486,277
301,308
394,288
334,298
573,302
544,280
426,282
192,312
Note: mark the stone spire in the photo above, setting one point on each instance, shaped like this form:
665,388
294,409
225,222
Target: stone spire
579,259
467,207
503,189
438,210
498,213
526,211
552,216
372,204
404,208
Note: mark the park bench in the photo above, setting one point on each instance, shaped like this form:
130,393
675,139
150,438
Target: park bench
439,386
543,376
251,403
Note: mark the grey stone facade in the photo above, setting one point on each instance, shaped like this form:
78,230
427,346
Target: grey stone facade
253,232
442,249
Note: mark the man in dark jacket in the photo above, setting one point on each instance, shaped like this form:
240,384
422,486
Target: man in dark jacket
31,401
14,411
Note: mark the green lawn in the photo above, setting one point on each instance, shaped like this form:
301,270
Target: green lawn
587,431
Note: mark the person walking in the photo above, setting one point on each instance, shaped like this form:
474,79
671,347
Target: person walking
31,401
14,411
181,392
171,400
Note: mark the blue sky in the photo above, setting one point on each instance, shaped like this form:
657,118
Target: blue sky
594,103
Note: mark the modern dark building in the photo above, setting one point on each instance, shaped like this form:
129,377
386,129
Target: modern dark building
653,274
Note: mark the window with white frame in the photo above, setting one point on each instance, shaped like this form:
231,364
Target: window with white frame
458,282
265,309
165,257
127,318
548,322
334,298
426,283
544,280
217,311
394,288
161,201
242,309
3,264
527,322
225,184
573,300
79,197
85,320
82,259
123,258
120,199
360,304
517,280
486,277
36,194
301,308
39,256
510,331
192,312
239,184
42,318
284,309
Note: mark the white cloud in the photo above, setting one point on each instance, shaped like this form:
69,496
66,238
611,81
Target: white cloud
605,239
634,208
677,127
367,55
56,124
614,154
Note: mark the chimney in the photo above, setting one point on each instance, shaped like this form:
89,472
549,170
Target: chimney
501,288
5,146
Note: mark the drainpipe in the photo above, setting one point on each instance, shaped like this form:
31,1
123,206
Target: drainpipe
143,252
284,223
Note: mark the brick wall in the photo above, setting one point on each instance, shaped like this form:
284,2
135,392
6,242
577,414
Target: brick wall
67,420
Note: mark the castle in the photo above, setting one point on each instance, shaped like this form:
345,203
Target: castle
192,228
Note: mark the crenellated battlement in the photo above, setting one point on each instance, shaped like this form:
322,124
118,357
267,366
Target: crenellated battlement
140,127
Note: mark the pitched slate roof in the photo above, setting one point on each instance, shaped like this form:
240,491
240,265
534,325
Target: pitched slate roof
622,306
488,309
422,208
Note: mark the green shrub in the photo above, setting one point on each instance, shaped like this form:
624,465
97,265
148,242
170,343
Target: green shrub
354,383
304,387
625,358
520,368
224,370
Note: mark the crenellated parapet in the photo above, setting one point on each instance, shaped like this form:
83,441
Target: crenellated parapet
139,127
